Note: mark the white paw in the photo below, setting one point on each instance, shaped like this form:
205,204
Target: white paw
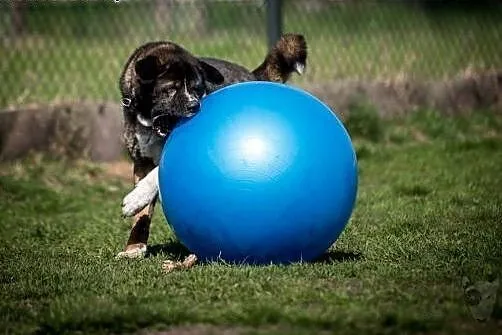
135,201
143,194
170,266
138,251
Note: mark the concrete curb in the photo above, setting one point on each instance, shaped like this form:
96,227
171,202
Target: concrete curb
460,95
93,130
75,130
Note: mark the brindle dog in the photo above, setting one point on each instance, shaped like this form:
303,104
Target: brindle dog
162,83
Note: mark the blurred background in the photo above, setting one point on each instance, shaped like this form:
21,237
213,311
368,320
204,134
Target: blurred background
65,50
397,56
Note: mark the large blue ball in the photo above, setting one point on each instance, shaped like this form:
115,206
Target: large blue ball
263,173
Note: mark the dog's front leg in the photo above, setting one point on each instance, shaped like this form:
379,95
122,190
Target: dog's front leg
140,202
144,193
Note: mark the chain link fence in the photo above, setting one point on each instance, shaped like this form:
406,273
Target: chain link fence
71,50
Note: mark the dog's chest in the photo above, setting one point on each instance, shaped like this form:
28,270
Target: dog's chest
149,144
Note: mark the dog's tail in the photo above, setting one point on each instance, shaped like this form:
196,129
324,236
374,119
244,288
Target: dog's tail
288,55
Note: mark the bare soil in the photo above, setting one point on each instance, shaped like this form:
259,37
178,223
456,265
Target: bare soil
92,130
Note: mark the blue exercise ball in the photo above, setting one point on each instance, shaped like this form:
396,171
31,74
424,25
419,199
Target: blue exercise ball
264,173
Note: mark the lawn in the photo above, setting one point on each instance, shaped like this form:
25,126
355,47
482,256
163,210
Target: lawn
428,214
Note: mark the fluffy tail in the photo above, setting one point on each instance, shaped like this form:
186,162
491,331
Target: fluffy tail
288,55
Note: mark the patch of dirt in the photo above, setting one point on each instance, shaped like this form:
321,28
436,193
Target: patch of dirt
69,130
462,94
119,169
93,130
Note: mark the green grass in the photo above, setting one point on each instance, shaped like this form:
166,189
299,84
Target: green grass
428,213
75,50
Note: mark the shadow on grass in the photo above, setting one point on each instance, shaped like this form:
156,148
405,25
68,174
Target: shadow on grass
175,250
339,256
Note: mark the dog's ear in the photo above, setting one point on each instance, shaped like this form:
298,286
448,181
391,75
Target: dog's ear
147,68
211,73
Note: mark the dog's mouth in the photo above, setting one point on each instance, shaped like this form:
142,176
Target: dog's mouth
163,124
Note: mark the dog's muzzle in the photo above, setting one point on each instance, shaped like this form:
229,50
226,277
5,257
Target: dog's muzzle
165,122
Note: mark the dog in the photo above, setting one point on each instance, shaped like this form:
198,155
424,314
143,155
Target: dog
162,83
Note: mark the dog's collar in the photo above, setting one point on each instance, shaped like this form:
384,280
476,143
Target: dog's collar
126,102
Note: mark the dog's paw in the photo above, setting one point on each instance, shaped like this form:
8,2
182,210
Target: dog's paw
133,251
134,202
170,266
189,261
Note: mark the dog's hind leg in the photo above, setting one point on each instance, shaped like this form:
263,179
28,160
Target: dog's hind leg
138,237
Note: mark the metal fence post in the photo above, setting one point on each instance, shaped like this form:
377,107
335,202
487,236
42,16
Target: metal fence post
274,21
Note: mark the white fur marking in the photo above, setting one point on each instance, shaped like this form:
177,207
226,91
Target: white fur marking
143,120
299,68
144,193
189,96
133,253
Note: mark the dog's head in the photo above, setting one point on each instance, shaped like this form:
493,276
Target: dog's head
171,84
